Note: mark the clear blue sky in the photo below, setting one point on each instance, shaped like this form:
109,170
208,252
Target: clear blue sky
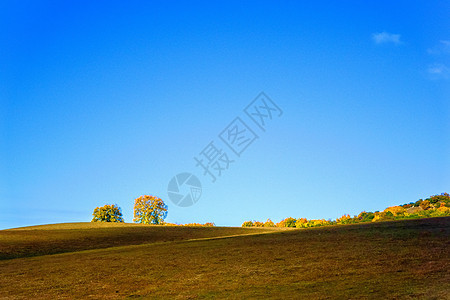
104,101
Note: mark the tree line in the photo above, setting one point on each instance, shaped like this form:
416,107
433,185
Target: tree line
152,210
147,210
434,206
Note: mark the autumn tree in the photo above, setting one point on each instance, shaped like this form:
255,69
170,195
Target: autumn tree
247,224
301,222
288,222
345,219
149,210
395,210
437,200
366,216
269,223
107,213
425,204
258,224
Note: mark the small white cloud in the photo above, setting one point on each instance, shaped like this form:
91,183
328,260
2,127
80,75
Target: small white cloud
442,48
446,44
437,71
386,37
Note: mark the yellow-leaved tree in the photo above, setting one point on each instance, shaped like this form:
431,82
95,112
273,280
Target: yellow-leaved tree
107,213
149,210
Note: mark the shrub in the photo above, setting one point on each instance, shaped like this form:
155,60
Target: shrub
395,210
366,216
345,219
289,222
425,204
417,203
301,223
444,197
198,224
434,206
318,223
258,224
269,223
247,224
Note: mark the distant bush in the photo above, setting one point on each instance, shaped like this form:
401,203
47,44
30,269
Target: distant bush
411,204
345,219
395,210
305,223
200,225
258,224
366,216
444,198
247,224
425,204
434,206
288,222
301,223
107,213
208,224
269,223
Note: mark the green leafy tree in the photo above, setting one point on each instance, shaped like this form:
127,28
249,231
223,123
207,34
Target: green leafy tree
107,213
366,216
149,210
417,203
442,198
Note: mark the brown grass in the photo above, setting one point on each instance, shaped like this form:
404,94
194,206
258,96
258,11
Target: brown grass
70,237
404,259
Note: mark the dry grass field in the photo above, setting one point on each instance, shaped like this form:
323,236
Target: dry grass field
70,237
388,260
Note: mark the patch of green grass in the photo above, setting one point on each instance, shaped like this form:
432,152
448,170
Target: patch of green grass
405,259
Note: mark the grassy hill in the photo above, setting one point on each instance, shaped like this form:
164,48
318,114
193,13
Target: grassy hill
401,259
70,237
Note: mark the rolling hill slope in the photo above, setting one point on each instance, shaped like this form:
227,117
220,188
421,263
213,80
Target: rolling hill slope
402,259
70,237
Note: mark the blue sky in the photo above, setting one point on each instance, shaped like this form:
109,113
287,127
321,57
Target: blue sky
103,102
